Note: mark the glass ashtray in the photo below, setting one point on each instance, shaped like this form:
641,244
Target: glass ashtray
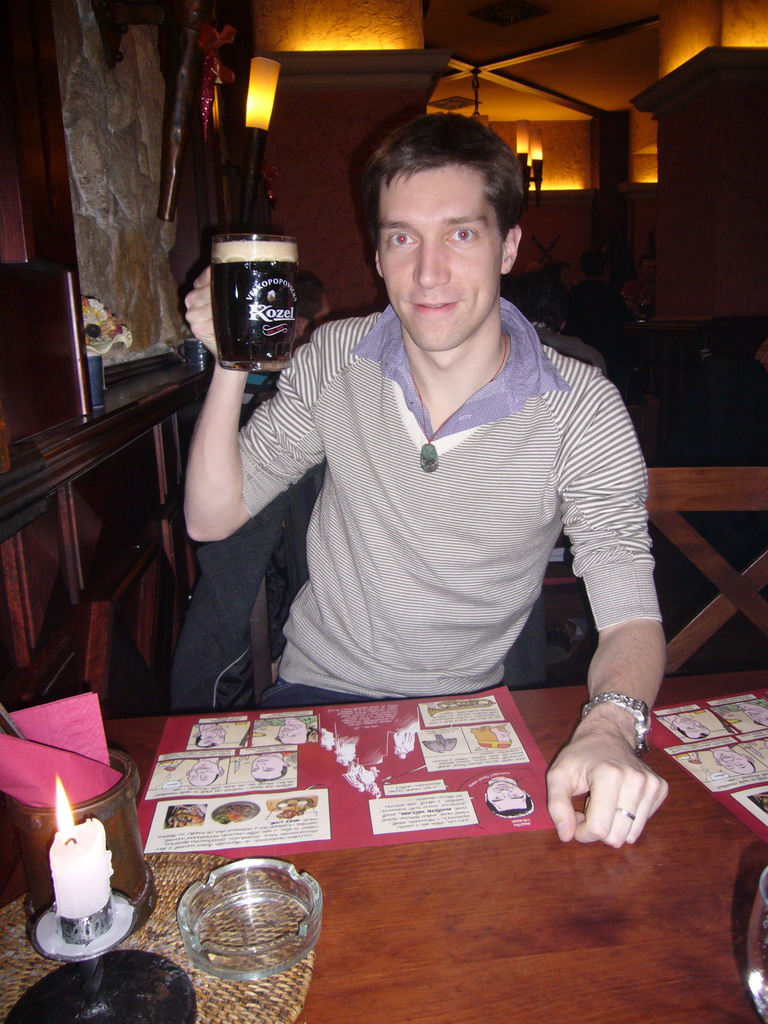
250,919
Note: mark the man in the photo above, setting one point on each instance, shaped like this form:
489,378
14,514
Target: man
456,451
597,314
311,305
542,298
686,726
293,731
210,734
267,767
504,797
639,294
733,761
204,772
757,712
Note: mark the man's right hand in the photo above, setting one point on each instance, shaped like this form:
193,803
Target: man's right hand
200,312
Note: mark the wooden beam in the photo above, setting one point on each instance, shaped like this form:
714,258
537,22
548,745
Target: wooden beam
520,85
566,45
496,71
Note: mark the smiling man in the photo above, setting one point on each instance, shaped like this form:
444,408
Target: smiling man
457,448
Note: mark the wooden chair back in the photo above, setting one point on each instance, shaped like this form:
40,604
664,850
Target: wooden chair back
675,490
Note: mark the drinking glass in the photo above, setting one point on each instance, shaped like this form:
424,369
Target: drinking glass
253,291
757,948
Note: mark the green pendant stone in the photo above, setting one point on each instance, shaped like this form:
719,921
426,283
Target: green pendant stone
429,460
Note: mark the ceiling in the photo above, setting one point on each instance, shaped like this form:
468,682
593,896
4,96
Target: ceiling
574,60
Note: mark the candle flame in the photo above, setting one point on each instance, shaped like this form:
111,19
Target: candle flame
65,823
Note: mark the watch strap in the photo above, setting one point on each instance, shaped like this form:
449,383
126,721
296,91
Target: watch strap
637,708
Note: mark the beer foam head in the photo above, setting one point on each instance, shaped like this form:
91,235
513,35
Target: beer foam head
247,250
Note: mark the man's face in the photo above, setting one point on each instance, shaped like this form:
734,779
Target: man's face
505,795
689,727
292,731
267,766
211,735
734,762
440,254
759,715
204,772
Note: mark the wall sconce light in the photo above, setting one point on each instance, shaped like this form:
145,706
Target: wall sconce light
262,87
531,157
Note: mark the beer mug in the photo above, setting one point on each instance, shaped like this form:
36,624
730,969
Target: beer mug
253,292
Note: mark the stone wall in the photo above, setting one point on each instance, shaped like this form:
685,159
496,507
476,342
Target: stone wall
112,120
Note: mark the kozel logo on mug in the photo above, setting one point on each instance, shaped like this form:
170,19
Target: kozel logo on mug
278,319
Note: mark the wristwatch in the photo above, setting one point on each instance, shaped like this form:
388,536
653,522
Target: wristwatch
637,708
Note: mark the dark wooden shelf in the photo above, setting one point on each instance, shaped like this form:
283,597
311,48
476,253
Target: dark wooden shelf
45,461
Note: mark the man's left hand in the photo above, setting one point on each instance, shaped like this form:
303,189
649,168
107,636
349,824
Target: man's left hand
622,792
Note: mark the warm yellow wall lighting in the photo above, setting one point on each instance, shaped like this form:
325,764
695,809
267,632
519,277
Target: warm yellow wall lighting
261,92
536,148
364,42
338,25
745,23
567,160
689,26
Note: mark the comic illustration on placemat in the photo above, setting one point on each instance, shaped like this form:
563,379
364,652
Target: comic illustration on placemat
344,776
723,744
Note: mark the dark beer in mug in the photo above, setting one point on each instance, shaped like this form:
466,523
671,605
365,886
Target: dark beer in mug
253,292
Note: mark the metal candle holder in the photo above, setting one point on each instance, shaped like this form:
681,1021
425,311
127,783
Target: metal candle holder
99,985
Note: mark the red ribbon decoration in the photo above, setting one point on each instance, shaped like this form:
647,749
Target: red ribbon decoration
270,177
214,72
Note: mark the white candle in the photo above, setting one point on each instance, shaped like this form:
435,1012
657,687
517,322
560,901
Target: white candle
81,866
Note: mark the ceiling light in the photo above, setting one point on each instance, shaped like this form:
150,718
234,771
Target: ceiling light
451,103
508,12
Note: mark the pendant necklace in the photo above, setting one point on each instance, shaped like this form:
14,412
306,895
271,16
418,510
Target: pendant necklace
428,458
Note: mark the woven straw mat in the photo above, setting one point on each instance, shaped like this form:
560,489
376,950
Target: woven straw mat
275,1000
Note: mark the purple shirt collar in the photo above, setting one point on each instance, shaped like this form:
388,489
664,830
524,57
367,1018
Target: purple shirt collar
527,372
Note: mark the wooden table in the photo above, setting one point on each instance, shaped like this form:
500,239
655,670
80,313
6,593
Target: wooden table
524,929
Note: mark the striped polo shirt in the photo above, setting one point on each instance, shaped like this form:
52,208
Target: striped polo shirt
420,583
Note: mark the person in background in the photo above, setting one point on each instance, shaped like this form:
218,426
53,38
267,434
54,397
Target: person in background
542,298
311,305
597,315
457,450
639,294
722,420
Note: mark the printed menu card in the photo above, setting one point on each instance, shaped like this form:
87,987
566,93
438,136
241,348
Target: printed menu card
345,776
723,743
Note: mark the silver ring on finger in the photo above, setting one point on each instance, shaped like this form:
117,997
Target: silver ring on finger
626,813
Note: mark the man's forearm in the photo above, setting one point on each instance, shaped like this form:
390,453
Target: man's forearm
213,503
629,659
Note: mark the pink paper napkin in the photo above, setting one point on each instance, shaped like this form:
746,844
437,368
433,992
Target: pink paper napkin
64,738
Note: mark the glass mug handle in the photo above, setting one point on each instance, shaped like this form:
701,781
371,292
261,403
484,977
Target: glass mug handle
757,948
